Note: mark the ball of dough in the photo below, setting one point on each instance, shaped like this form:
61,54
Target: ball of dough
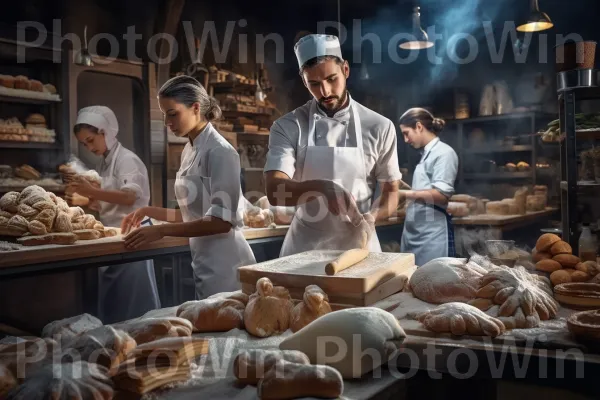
268,310
378,330
545,242
548,266
314,305
560,276
567,260
561,248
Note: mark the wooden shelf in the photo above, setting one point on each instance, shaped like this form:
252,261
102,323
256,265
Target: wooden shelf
236,112
491,149
502,117
26,100
581,184
236,87
499,175
29,145
588,134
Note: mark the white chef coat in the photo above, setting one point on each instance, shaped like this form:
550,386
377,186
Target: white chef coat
126,290
428,232
362,153
378,138
208,184
122,169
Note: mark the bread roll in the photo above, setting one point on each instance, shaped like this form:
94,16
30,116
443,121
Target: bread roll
560,276
578,276
151,329
315,304
540,255
567,260
561,247
286,380
268,310
50,238
250,366
497,208
548,266
63,223
213,315
536,203
545,242
37,228
87,234
18,224
10,202
512,206
589,267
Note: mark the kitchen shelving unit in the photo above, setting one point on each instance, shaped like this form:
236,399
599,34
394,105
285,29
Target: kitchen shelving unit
524,126
570,101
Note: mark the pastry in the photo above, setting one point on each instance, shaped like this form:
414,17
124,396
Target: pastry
287,380
589,267
37,120
46,217
87,234
30,191
510,167
10,202
50,88
7,215
76,212
536,203
213,315
44,205
50,238
70,327
379,332
62,223
104,345
22,82
18,224
548,265
315,304
578,276
7,81
540,255
98,226
151,329
461,319
37,228
522,166
545,242
36,86
561,247
27,172
268,310
73,381
26,211
446,279
250,366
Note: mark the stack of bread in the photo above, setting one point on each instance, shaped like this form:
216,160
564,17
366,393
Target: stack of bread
39,217
554,256
35,130
524,200
21,85
462,205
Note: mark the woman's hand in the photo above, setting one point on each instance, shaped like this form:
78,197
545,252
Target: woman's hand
82,186
143,235
133,220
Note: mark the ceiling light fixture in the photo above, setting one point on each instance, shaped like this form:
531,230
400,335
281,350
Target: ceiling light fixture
420,40
537,21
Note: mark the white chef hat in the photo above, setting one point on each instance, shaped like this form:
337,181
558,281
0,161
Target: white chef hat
317,45
100,117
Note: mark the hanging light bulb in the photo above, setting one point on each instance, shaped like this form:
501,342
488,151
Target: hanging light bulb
420,39
537,21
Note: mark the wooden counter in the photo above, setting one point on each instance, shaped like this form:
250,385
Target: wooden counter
504,220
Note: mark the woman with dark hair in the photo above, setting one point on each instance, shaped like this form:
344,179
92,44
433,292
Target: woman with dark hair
207,188
428,231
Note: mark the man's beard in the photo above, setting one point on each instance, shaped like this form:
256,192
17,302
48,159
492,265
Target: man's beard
336,105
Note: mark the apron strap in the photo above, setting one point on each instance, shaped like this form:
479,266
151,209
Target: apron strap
450,228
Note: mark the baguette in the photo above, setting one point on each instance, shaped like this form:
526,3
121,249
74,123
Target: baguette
51,238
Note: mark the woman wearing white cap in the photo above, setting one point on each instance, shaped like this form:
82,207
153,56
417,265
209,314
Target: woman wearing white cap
328,156
126,290
208,192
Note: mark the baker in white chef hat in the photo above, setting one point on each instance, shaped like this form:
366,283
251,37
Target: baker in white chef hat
335,147
126,290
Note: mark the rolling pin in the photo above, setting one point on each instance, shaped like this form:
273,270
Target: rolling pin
348,258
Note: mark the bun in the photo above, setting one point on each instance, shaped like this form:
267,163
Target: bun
438,125
214,111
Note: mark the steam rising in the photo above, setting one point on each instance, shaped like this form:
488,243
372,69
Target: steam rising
77,165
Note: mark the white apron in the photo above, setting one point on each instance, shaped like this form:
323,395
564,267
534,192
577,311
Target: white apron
126,290
313,226
428,231
215,258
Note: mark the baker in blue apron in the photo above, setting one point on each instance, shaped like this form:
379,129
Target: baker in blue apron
327,157
428,230
208,192
126,290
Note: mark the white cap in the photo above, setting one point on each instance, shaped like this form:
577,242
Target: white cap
103,118
317,45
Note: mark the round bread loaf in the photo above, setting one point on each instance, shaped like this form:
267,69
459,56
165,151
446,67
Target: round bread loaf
540,255
545,242
548,266
589,267
560,276
561,247
567,260
497,208
578,276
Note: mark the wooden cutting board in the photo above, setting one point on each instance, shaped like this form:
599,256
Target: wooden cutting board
308,268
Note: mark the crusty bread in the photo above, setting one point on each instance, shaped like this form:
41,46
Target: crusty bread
545,242
561,248
567,260
250,366
540,255
87,234
50,238
497,208
548,266
560,276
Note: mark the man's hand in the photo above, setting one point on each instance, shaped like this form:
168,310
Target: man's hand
341,202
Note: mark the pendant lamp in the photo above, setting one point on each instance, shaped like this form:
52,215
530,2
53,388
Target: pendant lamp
537,21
